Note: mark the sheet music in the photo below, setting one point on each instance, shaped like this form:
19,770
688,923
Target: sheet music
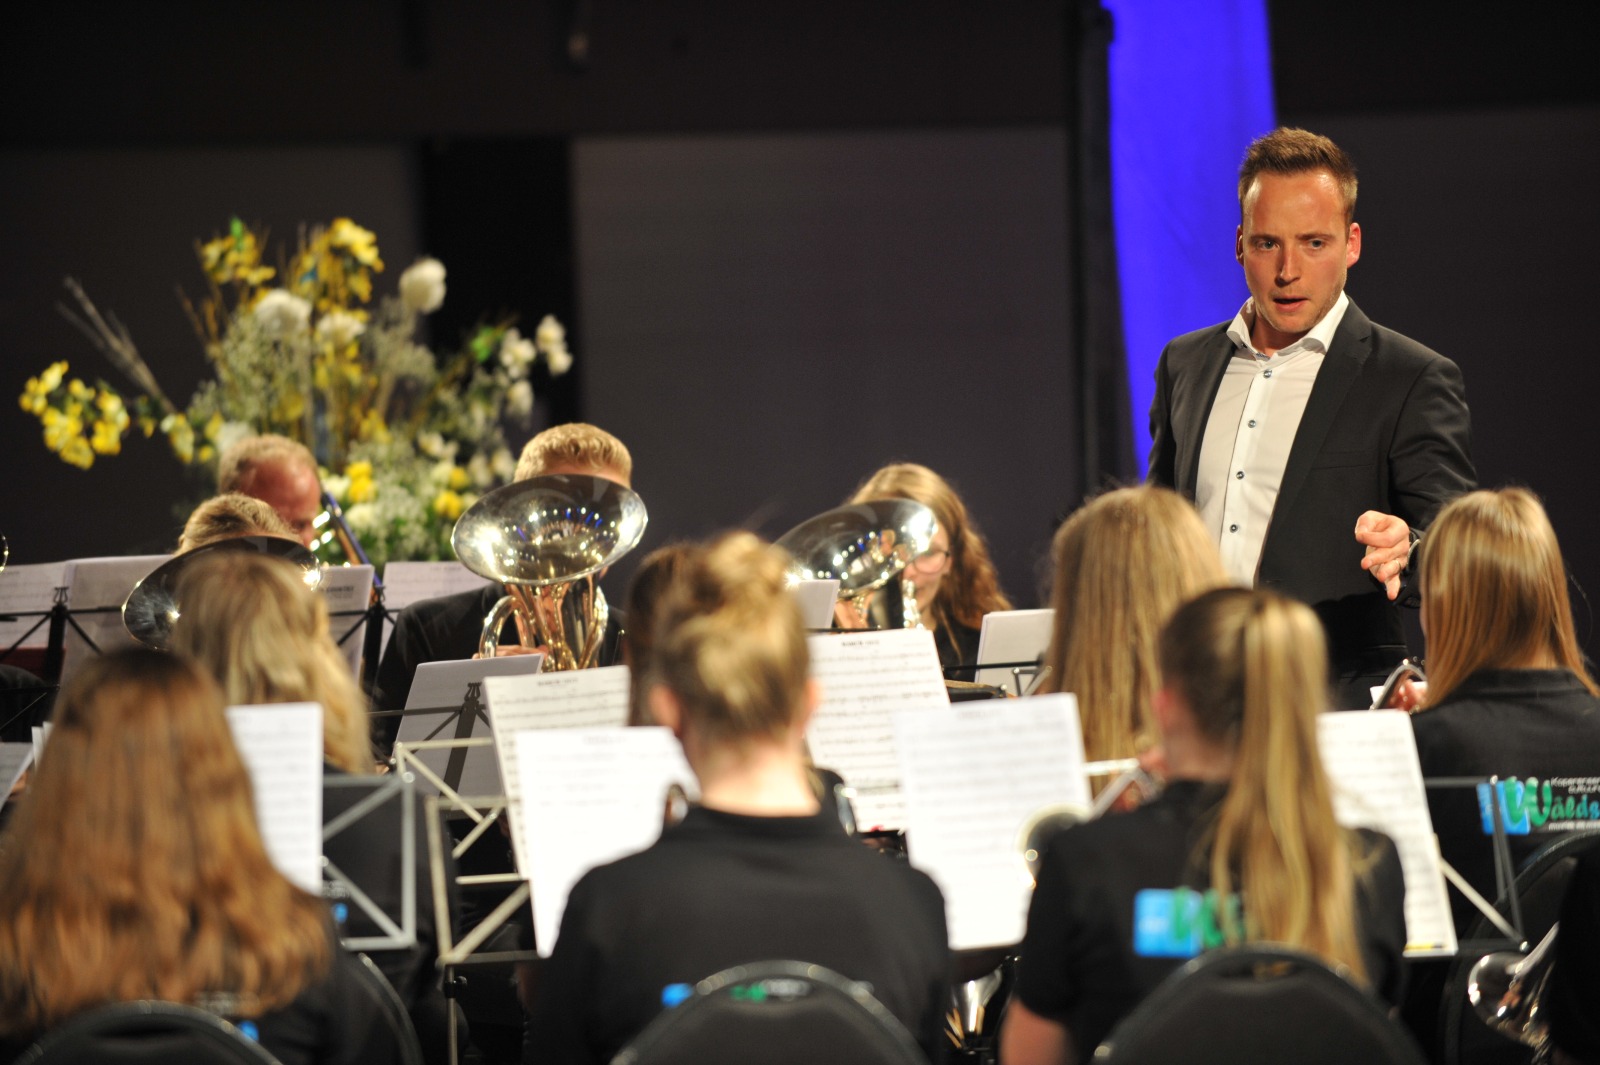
281,746
41,733
405,583
348,590
14,758
815,600
866,678
1012,636
590,795
570,699
1371,761
975,774
28,589
93,584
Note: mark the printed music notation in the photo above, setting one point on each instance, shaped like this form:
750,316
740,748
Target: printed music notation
1371,761
281,746
570,699
28,589
588,796
348,590
975,775
96,589
405,583
866,678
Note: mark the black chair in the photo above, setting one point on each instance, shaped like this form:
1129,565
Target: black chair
1258,1004
1540,886
394,1011
146,1033
775,1012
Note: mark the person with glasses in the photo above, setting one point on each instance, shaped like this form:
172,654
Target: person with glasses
955,581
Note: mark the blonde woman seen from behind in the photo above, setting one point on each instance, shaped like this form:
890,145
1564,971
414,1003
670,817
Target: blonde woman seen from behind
1240,847
134,870
1124,562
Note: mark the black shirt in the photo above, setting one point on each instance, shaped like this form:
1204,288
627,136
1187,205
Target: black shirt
1082,965
719,890
1513,723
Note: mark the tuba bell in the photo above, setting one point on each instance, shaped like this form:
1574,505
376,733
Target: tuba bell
547,539
1506,990
151,608
863,546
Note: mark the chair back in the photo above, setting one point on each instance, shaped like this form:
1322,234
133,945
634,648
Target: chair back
146,1033
394,1011
775,1012
1258,1003
1540,886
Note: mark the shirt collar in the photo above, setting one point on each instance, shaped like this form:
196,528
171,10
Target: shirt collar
1318,339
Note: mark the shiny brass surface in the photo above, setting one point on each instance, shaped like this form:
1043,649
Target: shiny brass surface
1506,990
152,606
863,546
547,539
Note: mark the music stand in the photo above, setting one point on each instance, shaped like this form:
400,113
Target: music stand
394,790
1505,875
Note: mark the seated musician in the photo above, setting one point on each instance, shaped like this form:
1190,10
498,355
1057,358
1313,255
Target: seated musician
1508,693
448,628
759,870
228,515
134,870
279,472
645,591
1242,845
251,621
955,581
1123,562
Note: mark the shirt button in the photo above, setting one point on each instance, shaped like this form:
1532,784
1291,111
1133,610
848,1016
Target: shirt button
1239,476
1266,373
1252,423
1233,528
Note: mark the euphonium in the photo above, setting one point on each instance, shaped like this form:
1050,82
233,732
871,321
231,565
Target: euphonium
152,607
1507,989
863,546
547,539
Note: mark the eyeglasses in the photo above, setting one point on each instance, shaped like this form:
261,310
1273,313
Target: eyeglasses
930,562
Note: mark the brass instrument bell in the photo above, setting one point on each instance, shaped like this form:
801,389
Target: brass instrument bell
1506,989
863,546
151,608
546,539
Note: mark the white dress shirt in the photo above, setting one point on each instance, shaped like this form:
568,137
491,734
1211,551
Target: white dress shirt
1252,426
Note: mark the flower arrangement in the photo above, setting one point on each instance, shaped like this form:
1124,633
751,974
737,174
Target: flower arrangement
406,441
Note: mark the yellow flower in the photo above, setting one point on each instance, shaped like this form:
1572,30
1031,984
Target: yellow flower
78,453
148,426
374,428
362,470
80,391
60,429
362,488
107,438
50,380
180,434
459,478
360,244
448,505
206,453
213,427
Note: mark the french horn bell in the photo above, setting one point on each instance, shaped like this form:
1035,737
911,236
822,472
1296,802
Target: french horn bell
863,546
546,539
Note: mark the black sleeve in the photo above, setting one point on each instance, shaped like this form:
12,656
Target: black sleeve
1574,985
1430,457
1381,914
558,1030
1055,950
1163,450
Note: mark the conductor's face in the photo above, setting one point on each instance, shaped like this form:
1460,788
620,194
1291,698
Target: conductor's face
1296,249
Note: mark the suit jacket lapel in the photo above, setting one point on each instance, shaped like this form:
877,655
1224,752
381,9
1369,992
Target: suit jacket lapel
1352,343
1216,365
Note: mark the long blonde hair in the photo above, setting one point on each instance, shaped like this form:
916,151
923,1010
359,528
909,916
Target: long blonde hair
263,634
971,587
730,643
1494,591
1252,666
133,868
1123,563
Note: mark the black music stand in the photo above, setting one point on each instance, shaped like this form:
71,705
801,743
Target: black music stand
391,797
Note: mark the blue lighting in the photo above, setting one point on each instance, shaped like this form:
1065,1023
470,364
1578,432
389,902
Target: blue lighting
1191,87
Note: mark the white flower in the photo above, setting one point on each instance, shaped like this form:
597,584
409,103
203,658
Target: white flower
441,471
478,469
339,328
283,314
230,434
516,353
363,518
422,286
430,443
519,398
551,339
503,464
336,484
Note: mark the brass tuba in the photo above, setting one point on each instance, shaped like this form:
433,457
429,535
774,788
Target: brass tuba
152,606
1506,989
546,539
863,546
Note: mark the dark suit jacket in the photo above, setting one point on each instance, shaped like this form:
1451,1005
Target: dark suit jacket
1386,428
